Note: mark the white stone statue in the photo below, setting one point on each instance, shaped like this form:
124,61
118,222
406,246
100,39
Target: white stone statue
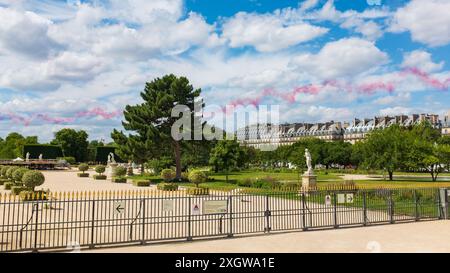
308,162
27,158
112,158
40,157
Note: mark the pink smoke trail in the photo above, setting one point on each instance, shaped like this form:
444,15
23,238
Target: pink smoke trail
99,112
365,88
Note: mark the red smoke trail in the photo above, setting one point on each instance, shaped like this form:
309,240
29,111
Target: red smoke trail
365,88
26,121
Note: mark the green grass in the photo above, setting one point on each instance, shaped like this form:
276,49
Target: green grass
281,176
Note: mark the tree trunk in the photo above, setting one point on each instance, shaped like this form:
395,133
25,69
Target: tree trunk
142,168
391,175
226,175
177,151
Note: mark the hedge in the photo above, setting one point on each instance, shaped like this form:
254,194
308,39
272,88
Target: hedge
18,189
119,180
47,151
102,152
32,195
167,187
99,177
8,185
141,183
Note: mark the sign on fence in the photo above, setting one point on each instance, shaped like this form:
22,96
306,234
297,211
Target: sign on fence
195,209
215,206
341,198
349,197
167,205
119,207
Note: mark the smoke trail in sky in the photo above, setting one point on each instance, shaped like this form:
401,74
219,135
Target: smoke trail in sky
27,120
365,88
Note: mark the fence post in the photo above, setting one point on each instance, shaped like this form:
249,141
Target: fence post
365,208
189,238
143,222
391,208
267,215
335,211
92,224
36,228
305,226
443,204
230,233
416,203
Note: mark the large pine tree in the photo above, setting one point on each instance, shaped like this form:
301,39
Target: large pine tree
150,122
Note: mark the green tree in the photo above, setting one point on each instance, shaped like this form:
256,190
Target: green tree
74,143
225,155
385,149
152,121
12,146
337,153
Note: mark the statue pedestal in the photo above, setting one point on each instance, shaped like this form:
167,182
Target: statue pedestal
309,181
110,169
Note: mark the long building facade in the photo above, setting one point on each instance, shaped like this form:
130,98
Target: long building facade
260,135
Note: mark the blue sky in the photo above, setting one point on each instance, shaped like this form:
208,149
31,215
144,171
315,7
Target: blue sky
78,63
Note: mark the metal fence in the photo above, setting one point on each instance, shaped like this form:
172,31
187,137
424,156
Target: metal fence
105,218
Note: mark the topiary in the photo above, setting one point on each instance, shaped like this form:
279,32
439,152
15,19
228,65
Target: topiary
167,175
10,171
167,187
17,189
32,179
18,174
100,169
120,171
197,177
83,167
8,185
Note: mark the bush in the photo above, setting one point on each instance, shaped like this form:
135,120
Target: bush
83,174
83,167
197,191
99,177
3,181
267,182
8,185
167,187
18,189
197,177
33,195
10,171
168,175
100,169
32,179
141,183
18,174
130,171
4,170
120,171
119,180
157,165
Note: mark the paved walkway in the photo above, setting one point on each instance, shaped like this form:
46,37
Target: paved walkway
432,236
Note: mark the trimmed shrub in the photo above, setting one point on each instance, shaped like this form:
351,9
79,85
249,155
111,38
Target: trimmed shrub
18,174
141,183
120,171
197,191
32,179
8,185
167,187
33,195
168,175
83,174
83,167
100,169
4,170
18,189
119,180
197,177
10,171
99,177
3,181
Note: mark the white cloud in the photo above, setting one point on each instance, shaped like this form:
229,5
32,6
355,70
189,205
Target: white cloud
397,110
308,4
427,20
422,60
345,57
369,29
26,34
267,32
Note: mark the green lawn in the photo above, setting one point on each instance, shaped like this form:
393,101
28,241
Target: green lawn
284,177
